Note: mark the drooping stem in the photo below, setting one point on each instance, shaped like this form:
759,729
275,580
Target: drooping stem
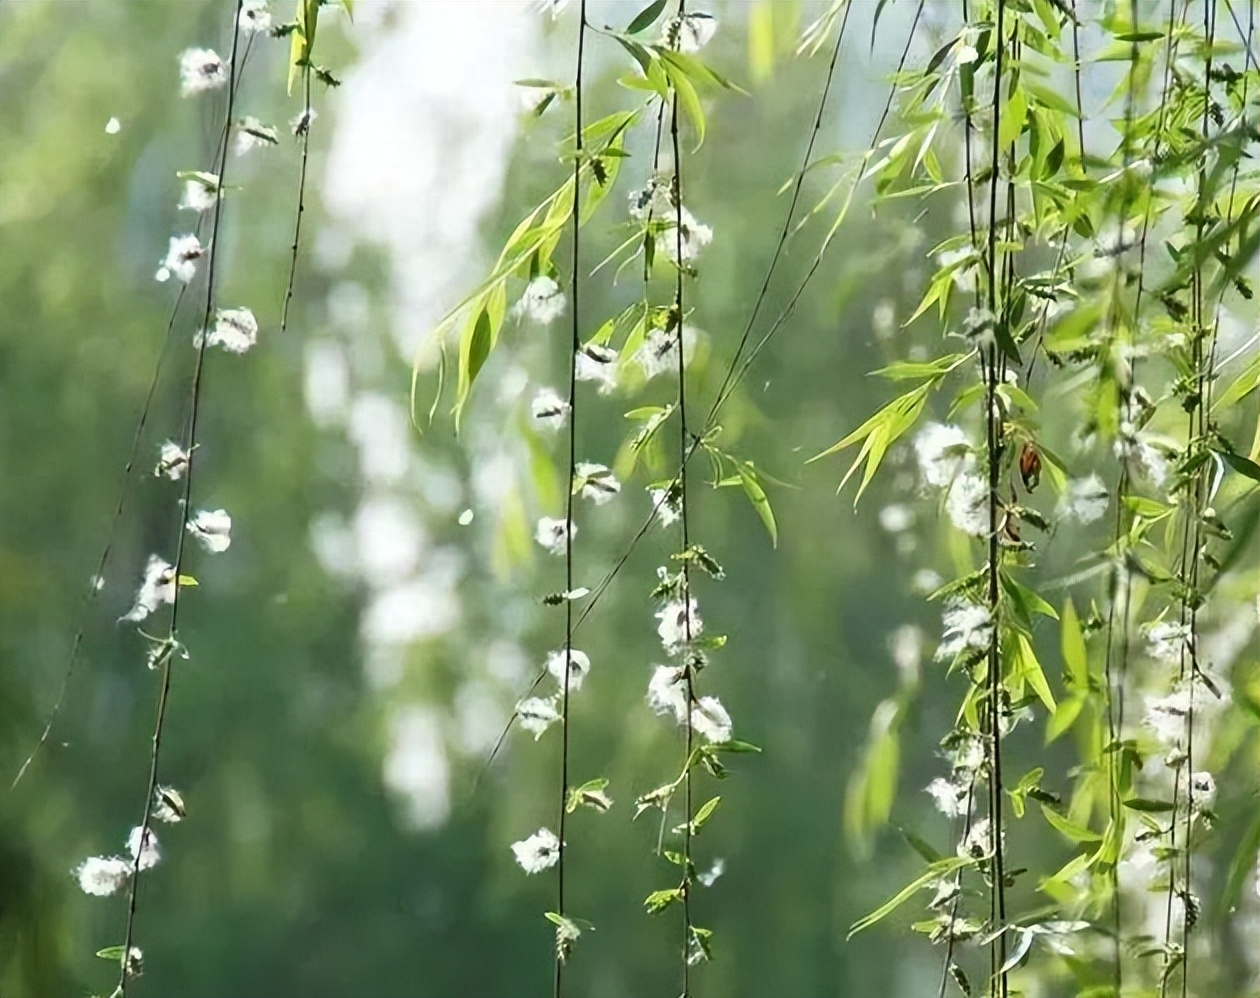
97,582
306,120
575,345
947,963
190,445
994,444
676,318
1197,429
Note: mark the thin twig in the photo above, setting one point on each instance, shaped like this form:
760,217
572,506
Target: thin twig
993,433
172,634
1121,588
683,509
307,119
799,182
1197,430
96,584
575,345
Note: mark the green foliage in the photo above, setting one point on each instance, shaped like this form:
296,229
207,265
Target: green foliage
291,816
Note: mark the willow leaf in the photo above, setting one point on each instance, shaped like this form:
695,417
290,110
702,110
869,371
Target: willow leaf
933,872
878,433
757,496
1072,643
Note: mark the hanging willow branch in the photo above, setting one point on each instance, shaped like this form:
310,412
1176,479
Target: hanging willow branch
564,926
166,659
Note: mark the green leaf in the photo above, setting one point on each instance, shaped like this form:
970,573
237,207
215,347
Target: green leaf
114,953
761,42
1242,386
905,370
1027,601
642,56
1075,832
302,41
1072,643
688,99
532,238
879,10
735,745
757,496
1030,669
1242,863
1147,806
1002,333
1244,466
933,872
187,582
207,180
478,347
878,433
1013,116
589,794
658,901
1063,718
1024,941
646,17
1047,97
704,813
698,71
1148,509
1073,867
919,845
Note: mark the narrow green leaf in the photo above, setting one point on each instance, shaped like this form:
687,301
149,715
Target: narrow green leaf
735,745
879,10
1013,116
704,813
1047,97
1075,832
1024,941
646,17
1074,866
1063,718
1241,387
658,901
1242,863
919,845
757,496
1147,806
637,52
933,872
761,43
688,99
1244,466
1072,643
1031,670
905,370
478,349
1028,601
881,431
1148,509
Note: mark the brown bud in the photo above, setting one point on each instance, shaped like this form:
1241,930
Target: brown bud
1030,466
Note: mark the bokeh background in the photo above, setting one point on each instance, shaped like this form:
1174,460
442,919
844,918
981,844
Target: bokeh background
356,652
